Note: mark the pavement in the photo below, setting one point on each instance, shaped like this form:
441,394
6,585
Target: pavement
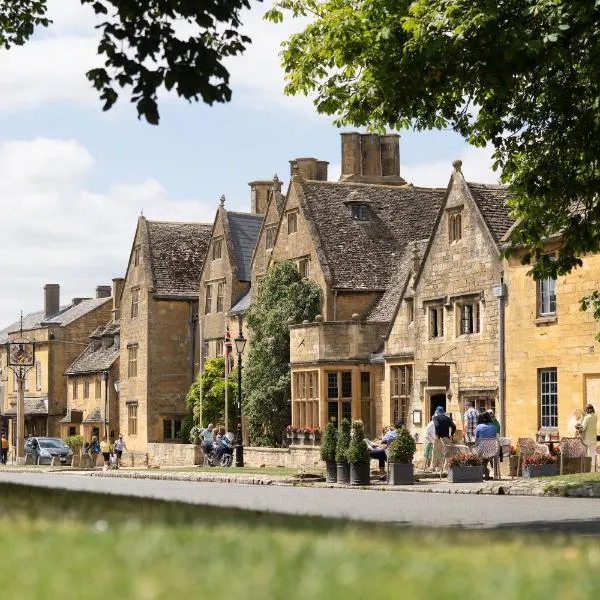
417,508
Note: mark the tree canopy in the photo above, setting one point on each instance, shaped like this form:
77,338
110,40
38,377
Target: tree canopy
282,297
521,75
148,45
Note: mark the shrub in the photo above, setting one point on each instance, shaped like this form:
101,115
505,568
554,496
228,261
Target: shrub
402,449
74,441
186,428
343,441
328,443
539,459
358,451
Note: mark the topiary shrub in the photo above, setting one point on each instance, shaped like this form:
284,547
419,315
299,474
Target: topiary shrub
402,449
358,451
74,441
343,442
328,443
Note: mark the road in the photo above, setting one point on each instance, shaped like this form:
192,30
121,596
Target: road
415,508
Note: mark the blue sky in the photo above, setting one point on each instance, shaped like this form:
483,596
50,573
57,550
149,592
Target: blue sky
74,179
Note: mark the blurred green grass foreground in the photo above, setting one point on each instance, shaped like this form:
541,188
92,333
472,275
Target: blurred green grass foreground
62,544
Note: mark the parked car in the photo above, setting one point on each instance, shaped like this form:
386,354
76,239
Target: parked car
43,449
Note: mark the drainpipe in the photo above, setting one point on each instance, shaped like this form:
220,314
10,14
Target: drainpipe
500,293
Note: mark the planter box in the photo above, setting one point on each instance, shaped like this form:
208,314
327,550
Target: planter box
343,472
401,474
360,474
540,470
331,472
465,474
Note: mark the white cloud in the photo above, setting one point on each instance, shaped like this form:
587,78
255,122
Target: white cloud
58,231
476,167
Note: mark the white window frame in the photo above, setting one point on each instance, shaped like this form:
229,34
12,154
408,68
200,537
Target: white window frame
548,398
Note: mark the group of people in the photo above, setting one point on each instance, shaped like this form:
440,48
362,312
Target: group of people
104,447
213,438
378,452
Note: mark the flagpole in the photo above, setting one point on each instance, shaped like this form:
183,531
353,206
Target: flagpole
226,361
201,369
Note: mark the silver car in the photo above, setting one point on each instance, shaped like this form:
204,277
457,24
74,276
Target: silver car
43,449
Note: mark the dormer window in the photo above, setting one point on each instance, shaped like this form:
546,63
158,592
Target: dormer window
360,212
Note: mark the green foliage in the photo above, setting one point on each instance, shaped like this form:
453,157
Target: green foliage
74,441
328,443
519,75
147,46
402,449
186,427
282,297
592,302
343,442
358,451
212,381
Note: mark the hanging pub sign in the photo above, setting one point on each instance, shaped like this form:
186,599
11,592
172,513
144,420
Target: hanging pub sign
20,354
438,376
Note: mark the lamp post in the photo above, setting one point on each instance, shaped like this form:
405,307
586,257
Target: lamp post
240,344
105,378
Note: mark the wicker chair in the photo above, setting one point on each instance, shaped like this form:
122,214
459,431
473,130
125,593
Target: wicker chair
451,450
489,449
527,447
572,448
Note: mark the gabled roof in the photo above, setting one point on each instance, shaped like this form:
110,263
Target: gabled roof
65,316
366,254
101,359
492,202
177,252
243,232
241,305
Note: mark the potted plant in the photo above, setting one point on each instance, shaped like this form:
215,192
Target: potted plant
301,433
328,448
465,468
540,465
341,453
400,452
358,456
513,462
315,435
75,442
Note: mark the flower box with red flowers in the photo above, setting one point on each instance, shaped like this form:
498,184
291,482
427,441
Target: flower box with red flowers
465,468
540,465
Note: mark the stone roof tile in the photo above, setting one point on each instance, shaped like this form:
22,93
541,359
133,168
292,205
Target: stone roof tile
492,202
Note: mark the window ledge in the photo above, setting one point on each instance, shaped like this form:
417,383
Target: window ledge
546,319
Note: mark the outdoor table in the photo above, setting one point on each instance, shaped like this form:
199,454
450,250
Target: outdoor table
550,444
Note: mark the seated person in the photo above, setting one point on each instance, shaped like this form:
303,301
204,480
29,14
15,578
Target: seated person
379,454
206,438
485,430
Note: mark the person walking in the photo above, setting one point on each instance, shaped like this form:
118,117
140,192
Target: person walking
443,424
470,424
94,451
429,442
4,445
589,429
105,450
119,448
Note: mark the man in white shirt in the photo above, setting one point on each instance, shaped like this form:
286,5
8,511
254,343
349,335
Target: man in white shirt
429,434
588,429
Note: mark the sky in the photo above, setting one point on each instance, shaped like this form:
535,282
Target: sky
73,179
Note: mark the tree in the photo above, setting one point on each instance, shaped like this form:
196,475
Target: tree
282,297
212,380
148,45
521,75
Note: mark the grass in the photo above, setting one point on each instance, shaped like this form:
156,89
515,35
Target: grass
573,478
76,545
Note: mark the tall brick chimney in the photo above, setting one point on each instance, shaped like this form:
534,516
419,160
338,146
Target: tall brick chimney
116,296
310,168
103,291
261,192
371,158
51,299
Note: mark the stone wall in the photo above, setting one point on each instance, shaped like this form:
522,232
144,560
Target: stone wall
174,455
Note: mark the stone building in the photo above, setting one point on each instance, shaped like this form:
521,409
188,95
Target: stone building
59,333
443,345
552,356
350,238
226,274
159,329
93,385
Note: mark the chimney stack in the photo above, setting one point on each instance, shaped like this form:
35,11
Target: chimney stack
116,295
103,291
51,299
310,168
371,158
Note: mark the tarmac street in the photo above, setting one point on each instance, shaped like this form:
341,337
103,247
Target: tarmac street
417,508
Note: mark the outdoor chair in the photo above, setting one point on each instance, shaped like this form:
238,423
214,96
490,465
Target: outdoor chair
489,449
572,448
451,450
527,447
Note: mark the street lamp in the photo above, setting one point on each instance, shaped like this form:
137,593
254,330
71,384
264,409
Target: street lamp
240,344
105,378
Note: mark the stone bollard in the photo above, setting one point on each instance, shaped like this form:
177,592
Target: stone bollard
76,460
29,459
55,462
